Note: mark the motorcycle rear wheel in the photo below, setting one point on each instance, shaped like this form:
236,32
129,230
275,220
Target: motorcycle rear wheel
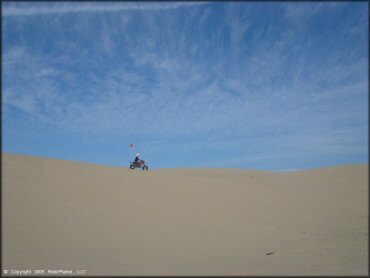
132,166
145,168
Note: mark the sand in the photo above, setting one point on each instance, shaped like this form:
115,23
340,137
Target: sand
64,215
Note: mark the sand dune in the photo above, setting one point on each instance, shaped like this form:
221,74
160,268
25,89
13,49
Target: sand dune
62,215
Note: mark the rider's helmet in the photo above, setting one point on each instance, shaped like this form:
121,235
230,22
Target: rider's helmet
138,155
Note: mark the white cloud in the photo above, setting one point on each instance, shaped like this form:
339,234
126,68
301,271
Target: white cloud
301,11
39,8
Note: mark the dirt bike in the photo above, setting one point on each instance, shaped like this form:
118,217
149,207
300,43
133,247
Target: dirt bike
139,164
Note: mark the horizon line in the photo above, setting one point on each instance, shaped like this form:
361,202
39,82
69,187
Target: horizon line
288,170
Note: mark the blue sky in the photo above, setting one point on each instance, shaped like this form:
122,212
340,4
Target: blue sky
273,86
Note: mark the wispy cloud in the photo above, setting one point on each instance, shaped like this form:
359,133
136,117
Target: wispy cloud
39,8
303,11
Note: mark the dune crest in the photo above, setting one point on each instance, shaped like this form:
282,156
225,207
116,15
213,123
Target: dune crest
115,221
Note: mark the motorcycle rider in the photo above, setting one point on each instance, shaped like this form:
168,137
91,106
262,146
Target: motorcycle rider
138,158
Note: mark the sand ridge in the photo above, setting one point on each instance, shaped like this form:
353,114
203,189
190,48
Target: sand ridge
116,221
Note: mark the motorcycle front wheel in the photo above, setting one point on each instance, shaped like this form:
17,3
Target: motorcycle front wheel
145,168
132,166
